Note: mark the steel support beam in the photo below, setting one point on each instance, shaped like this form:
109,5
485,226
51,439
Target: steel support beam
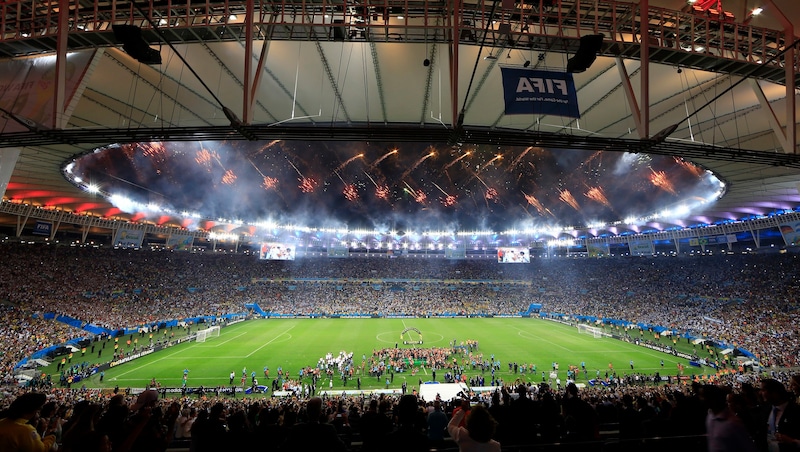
627,88
8,160
247,101
644,106
789,73
780,135
62,38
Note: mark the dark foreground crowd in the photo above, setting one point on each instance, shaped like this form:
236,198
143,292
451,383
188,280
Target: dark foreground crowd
742,415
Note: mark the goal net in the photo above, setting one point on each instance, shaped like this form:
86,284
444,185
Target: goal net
593,330
202,335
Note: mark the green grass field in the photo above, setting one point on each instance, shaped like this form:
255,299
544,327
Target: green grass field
296,343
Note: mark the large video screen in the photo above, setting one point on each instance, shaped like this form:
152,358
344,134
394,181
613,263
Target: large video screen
277,251
513,255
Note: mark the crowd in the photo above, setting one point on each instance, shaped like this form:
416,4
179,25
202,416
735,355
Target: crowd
745,300
734,410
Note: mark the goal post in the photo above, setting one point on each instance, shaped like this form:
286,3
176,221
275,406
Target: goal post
202,335
588,329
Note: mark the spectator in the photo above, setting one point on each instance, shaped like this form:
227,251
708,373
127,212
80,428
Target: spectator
477,435
16,432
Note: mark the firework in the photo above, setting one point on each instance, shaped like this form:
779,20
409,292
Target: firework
535,203
596,194
485,165
350,192
307,185
269,183
490,194
229,177
205,157
419,196
448,200
382,158
457,160
689,166
382,192
567,197
660,180
417,163
295,168
153,150
475,175
347,162
267,146
519,158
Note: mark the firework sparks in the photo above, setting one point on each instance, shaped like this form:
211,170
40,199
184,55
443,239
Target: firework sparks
486,165
475,175
491,194
381,191
660,180
418,195
347,162
295,168
440,189
416,164
535,203
448,200
267,146
689,166
567,197
596,194
307,185
269,183
154,150
350,192
519,158
229,177
205,158
457,160
382,158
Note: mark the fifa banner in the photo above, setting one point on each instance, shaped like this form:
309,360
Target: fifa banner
277,251
128,238
715,240
42,228
597,249
27,88
180,242
513,255
529,91
791,233
641,248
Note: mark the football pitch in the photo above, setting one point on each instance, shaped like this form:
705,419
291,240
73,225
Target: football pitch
292,344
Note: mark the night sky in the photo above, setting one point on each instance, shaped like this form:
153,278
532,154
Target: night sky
394,185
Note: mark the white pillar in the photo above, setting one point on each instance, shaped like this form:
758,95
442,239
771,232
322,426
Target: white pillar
8,160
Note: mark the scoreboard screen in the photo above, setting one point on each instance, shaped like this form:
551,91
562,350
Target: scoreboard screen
277,251
513,255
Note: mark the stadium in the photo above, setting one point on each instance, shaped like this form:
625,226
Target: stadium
581,215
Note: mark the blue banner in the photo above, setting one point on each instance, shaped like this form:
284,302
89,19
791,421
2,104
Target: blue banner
529,91
42,228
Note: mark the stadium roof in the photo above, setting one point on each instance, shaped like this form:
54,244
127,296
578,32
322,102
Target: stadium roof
385,71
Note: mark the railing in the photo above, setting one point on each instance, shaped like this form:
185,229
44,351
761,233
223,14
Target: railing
547,25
